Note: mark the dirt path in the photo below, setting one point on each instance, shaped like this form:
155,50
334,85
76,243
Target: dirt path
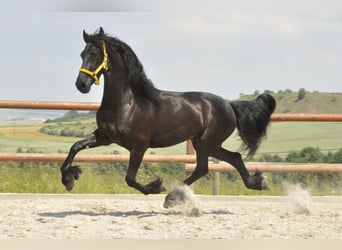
39,216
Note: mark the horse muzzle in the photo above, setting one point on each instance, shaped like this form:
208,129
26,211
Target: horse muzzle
84,84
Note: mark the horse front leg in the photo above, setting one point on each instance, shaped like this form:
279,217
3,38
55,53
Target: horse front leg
179,195
154,187
71,173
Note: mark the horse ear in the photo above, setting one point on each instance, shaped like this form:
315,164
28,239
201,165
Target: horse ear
101,32
86,37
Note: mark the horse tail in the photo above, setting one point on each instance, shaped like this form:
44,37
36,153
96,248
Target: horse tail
252,118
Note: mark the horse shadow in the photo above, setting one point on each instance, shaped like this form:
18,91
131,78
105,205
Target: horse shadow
134,213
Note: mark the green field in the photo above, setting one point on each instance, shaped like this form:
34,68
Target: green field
292,136
282,138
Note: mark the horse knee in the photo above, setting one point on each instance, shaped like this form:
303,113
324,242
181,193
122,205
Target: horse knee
130,181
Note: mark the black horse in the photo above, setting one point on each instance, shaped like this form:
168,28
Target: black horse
137,116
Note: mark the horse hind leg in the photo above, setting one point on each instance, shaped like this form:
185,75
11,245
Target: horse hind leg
256,181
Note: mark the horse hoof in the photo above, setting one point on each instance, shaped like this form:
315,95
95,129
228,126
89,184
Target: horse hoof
155,187
258,181
264,185
179,195
69,185
69,176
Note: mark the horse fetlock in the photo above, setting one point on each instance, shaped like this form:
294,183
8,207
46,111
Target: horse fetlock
69,176
258,182
155,187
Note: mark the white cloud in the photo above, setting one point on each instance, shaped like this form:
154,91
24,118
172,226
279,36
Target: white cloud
266,25
239,24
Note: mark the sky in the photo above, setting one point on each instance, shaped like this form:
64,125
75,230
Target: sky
219,46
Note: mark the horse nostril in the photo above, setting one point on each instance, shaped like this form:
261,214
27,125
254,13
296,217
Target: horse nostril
82,85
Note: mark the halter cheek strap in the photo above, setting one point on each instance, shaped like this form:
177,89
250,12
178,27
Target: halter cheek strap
102,66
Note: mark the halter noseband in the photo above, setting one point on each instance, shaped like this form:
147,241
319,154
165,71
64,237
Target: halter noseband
102,66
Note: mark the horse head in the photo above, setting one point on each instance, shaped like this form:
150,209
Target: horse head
94,61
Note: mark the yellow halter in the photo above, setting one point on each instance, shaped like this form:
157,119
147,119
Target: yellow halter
102,66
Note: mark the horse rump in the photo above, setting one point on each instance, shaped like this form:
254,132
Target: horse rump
252,118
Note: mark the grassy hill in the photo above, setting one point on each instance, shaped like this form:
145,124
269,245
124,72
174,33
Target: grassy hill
312,102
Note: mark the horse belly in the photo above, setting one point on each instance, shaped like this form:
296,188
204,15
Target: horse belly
172,137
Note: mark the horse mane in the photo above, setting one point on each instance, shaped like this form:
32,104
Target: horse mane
142,87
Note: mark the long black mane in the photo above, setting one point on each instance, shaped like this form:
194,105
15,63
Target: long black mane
141,86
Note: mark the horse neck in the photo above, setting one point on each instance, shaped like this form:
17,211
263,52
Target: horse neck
116,91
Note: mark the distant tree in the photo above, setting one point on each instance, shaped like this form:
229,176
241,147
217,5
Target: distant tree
336,157
267,91
301,94
307,154
70,114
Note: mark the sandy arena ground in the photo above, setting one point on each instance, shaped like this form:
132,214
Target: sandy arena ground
40,216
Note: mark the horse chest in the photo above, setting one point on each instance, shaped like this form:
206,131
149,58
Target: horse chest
112,126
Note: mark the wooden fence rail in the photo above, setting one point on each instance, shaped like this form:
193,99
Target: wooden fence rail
301,117
189,160
274,167
13,104
41,157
